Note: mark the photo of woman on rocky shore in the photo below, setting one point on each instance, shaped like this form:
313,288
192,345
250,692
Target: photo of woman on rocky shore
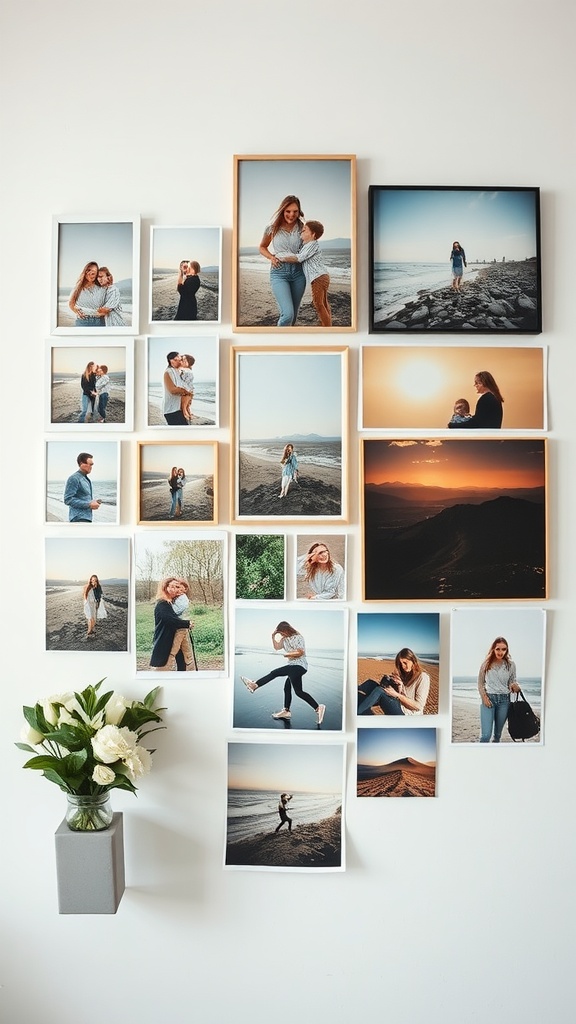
409,290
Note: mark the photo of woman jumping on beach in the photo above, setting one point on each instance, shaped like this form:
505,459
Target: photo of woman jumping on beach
308,662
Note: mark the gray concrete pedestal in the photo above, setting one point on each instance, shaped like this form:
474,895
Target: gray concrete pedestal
90,869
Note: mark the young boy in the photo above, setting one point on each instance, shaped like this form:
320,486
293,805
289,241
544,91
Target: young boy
182,641
461,411
102,395
314,269
187,378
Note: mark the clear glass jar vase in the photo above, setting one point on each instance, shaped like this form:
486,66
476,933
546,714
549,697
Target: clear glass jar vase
88,813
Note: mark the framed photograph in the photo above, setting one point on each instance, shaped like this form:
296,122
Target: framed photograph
95,275
272,657
289,458
458,388
92,387
396,762
182,386
294,262
82,483
87,593
454,519
497,661
260,567
398,663
178,482
180,583
285,807
320,569
185,271
455,259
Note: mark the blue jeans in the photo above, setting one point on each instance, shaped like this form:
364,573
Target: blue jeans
288,285
90,321
390,705
102,403
494,717
87,405
176,500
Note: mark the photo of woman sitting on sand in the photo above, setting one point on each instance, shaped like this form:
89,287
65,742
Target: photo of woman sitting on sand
488,412
319,576
169,627
94,607
288,640
403,692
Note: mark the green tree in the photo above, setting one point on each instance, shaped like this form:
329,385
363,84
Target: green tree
260,567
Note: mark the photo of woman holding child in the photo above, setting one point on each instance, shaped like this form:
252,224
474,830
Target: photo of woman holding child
171,644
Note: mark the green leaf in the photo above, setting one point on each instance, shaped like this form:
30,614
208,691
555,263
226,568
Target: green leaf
122,782
42,761
25,746
102,701
73,737
53,776
73,762
31,716
150,698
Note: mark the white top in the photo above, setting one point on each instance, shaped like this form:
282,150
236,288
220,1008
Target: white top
295,643
187,378
112,302
285,243
90,300
497,678
180,604
326,584
310,256
417,691
102,383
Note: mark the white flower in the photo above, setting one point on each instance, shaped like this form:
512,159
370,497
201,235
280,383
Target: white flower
30,735
138,762
103,775
65,718
115,708
113,744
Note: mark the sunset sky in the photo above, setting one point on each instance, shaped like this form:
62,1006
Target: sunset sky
304,768
456,463
75,358
415,388
195,458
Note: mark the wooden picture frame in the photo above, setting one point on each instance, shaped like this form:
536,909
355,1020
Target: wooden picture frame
192,500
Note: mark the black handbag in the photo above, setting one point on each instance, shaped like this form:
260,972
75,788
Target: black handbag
523,723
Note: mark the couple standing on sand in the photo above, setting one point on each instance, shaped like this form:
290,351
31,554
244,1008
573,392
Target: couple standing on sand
178,383
188,285
291,246
94,384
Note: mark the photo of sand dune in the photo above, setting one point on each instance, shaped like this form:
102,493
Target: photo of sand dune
380,772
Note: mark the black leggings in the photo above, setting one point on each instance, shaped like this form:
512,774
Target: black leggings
294,675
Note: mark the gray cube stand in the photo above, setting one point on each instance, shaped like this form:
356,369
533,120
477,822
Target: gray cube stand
90,869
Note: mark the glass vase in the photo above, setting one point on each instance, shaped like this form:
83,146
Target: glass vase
88,813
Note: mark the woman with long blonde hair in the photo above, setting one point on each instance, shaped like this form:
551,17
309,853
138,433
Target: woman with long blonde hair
94,607
282,238
289,464
87,298
496,681
88,386
403,692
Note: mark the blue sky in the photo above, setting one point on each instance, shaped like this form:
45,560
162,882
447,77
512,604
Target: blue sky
420,225
74,359
311,768
196,458
473,633
322,186
381,746
170,245
289,393
383,632
78,558
109,244
203,347
61,459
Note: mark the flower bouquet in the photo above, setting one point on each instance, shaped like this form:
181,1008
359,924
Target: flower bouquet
91,743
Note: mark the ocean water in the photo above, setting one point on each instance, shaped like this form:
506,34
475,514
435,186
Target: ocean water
106,490
337,262
424,659
315,453
203,403
251,811
324,681
396,284
466,688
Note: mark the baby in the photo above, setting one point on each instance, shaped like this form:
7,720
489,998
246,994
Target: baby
187,378
461,411
182,641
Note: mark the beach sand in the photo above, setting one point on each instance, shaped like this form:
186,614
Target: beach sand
372,668
315,845
156,419
466,723
165,298
65,404
257,306
197,502
66,624
318,491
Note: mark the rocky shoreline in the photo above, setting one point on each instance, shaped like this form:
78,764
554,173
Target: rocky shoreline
502,297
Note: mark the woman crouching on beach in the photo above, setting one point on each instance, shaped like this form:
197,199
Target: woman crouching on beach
496,681
323,578
282,238
405,692
93,604
289,464
287,639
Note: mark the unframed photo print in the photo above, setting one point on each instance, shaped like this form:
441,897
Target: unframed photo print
396,762
260,567
320,569
285,807
398,664
90,386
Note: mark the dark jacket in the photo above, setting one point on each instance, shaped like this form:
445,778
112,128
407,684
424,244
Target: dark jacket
166,622
487,414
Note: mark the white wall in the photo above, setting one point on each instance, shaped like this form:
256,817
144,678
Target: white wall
455,909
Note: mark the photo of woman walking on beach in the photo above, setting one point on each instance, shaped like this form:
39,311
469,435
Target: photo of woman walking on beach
403,692
488,412
458,261
111,303
323,578
88,389
188,285
281,238
94,608
496,681
167,623
176,482
87,298
288,640
289,464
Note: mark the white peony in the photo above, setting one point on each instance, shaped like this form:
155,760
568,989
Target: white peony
115,708
113,744
138,762
103,775
30,735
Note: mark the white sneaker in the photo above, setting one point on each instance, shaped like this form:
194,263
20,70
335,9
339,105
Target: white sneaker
320,711
282,714
249,684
